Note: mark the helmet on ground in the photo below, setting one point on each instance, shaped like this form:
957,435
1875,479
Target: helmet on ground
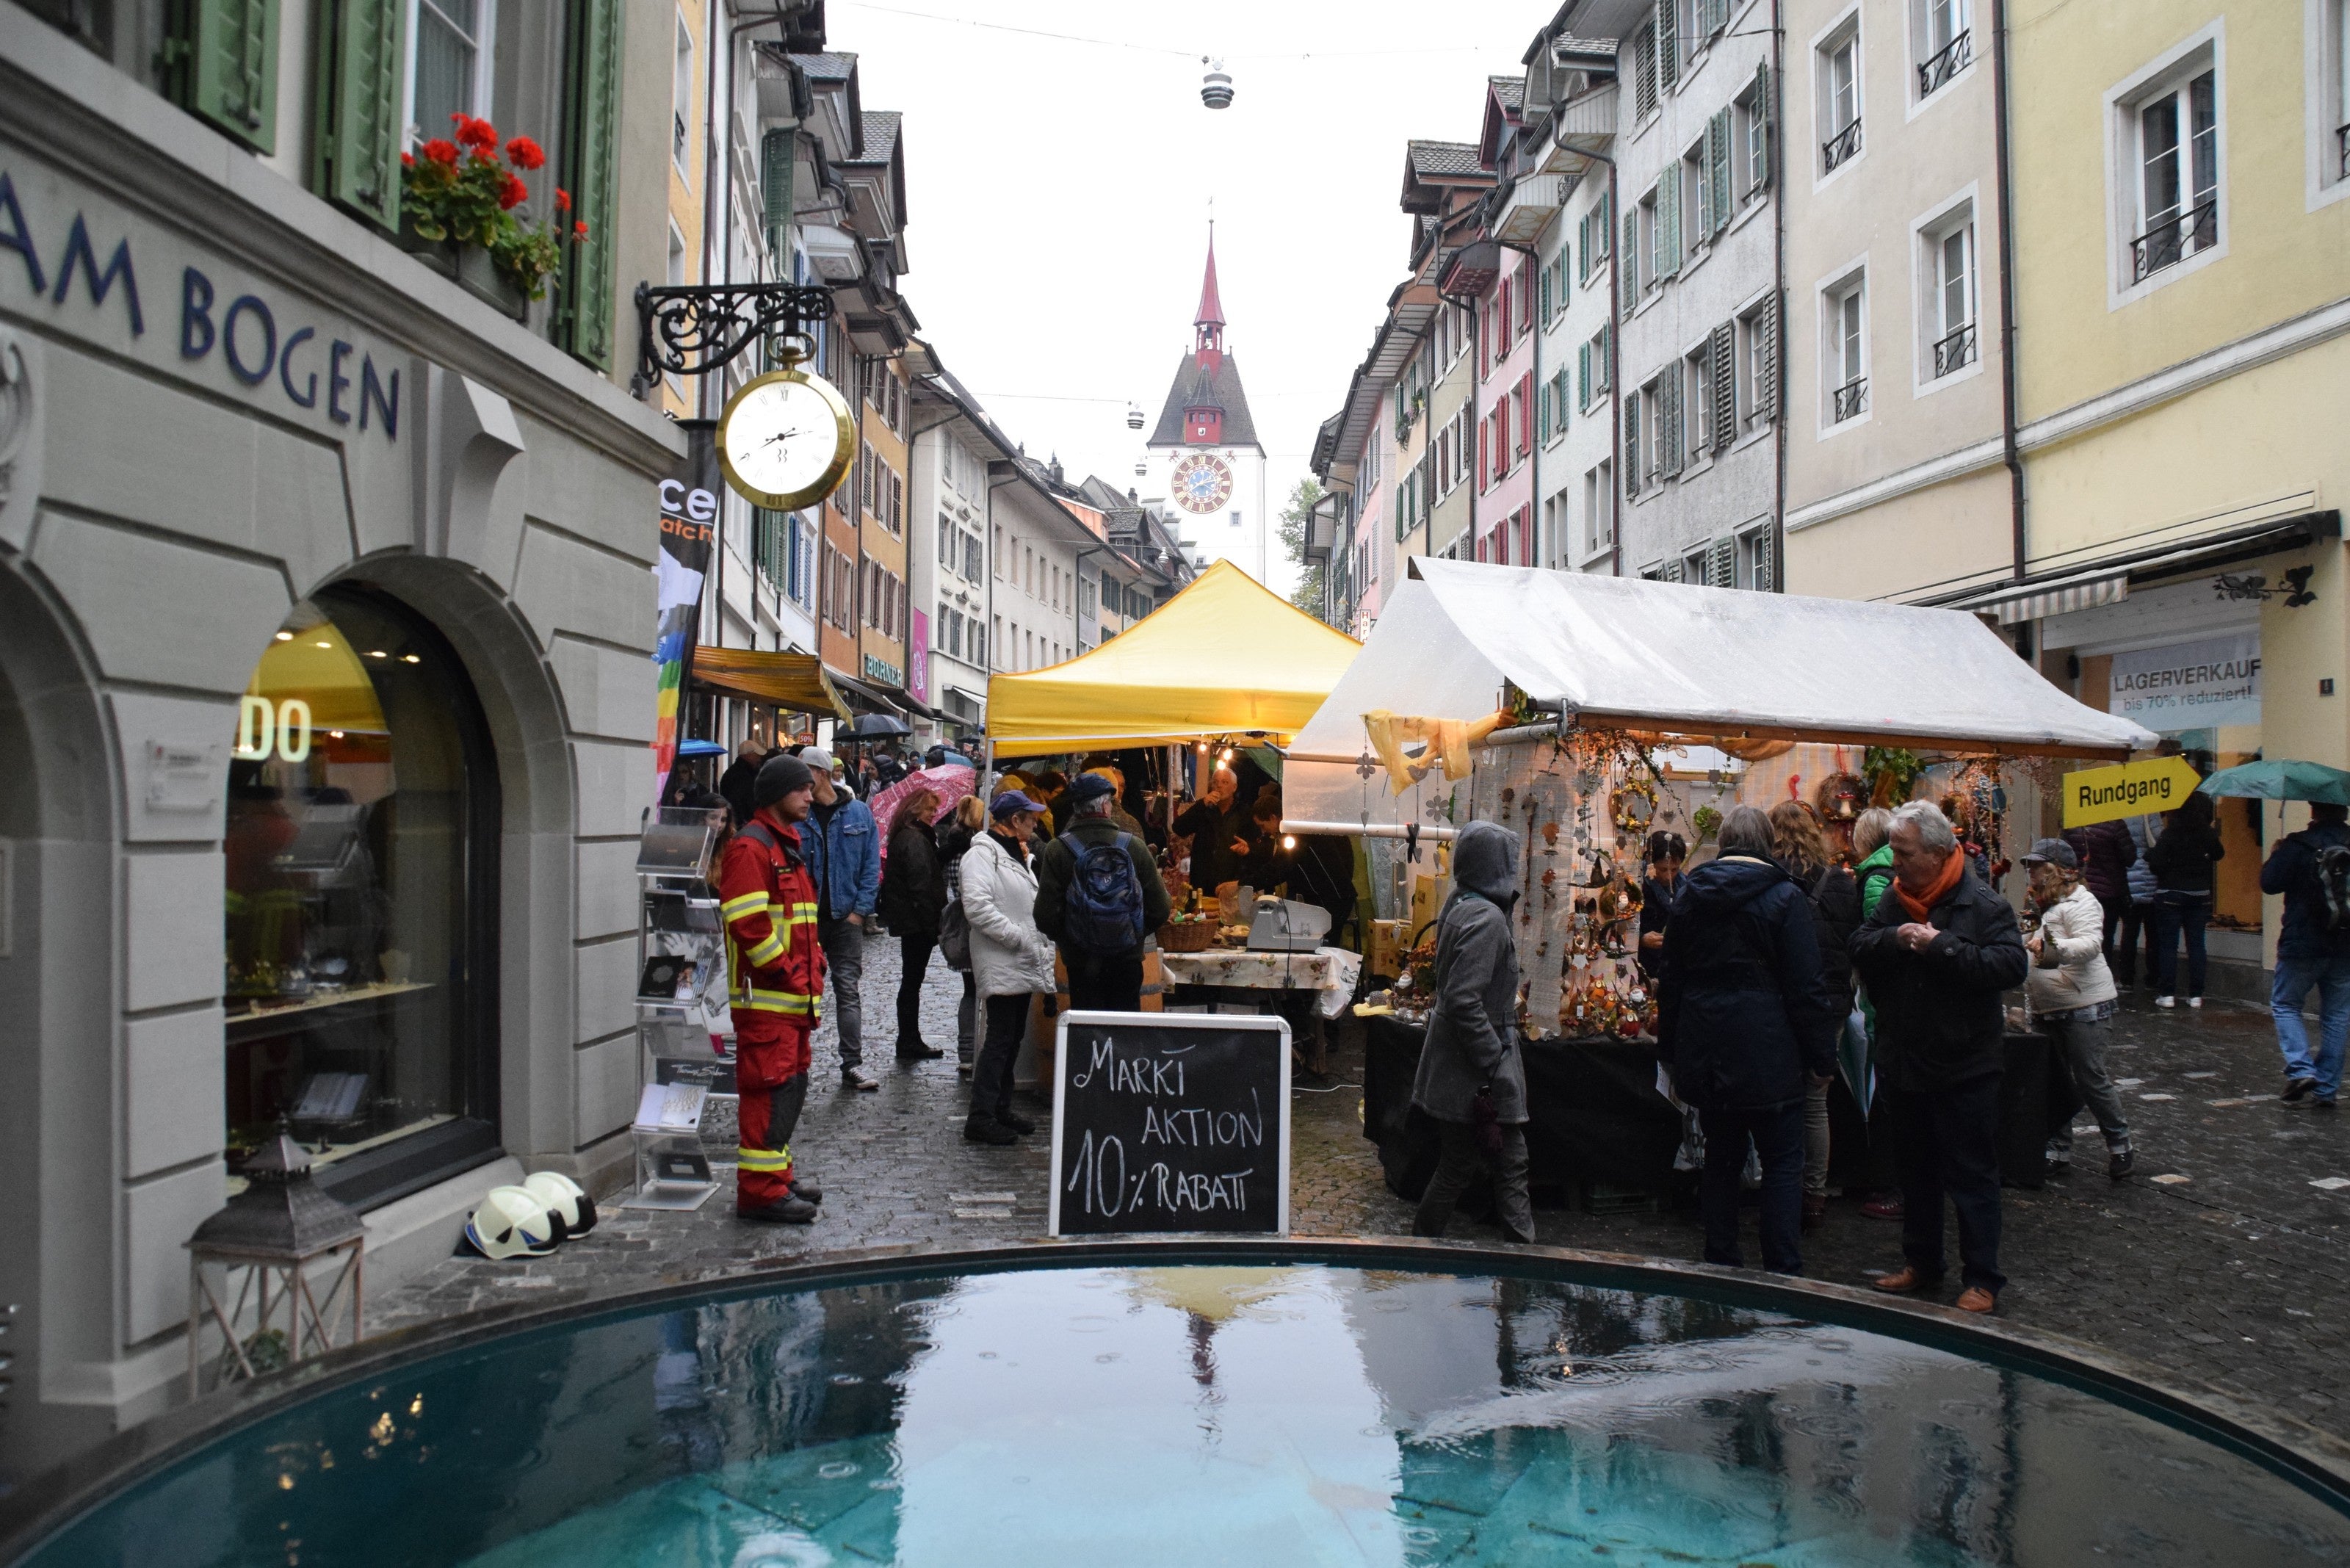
514,1222
566,1198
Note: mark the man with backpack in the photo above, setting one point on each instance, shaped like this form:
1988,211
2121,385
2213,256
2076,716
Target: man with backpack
1098,896
2312,870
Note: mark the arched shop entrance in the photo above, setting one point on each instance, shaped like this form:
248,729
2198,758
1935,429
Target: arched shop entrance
361,869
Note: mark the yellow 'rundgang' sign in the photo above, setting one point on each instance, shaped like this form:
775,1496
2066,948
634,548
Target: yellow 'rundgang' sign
2102,795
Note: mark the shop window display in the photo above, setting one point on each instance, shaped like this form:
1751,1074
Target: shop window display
357,873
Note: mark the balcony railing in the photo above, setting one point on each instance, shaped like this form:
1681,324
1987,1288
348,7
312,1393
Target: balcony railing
1843,145
1956,350
1956,56
1851,400
2172,241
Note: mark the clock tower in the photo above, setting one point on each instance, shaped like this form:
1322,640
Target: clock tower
1204,456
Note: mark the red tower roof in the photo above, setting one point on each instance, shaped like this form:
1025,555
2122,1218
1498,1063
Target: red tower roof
1212,308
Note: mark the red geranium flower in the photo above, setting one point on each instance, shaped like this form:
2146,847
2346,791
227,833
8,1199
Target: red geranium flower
442,151
580,231
525,154
514,192
408,160
561,200
476,134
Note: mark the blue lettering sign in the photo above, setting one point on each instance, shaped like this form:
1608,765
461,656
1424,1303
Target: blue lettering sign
303,399
102,284
371,394
195,313
336,382
251,375
18,238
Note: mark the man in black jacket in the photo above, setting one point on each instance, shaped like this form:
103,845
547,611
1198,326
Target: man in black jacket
1746,1025
1937,955
1100,980
735,783
2311,954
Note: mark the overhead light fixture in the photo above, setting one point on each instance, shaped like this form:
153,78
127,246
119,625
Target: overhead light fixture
324,645
284,637
410,659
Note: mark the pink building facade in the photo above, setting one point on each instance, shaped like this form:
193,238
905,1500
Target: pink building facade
1505,413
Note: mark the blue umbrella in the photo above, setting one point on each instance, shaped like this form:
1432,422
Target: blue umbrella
2282,779
700,749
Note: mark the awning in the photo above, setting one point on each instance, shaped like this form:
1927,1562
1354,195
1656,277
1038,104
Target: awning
867,696
2108,581
794,681
2034,601
1227,656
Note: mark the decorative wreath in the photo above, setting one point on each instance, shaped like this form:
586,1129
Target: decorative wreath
1841,797
1635,805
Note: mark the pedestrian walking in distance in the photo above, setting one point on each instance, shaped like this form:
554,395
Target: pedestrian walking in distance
1747,1026
2312,870
844,853
913,896
737,782
1098,897
969,822
1011,958
1800,846
1936,956
2184,861
2072,994
2107,853
1473,1077
767,901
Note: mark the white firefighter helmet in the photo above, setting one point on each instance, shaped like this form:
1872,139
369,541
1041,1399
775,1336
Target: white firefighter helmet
566,1198
514,1222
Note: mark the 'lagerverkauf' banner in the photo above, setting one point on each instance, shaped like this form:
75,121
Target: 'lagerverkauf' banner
2195,685
689,517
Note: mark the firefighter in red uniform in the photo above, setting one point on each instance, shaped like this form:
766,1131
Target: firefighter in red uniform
776,988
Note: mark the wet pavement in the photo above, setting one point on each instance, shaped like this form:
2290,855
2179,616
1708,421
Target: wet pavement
2221,1262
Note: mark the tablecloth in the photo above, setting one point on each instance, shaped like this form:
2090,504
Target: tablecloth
1329,970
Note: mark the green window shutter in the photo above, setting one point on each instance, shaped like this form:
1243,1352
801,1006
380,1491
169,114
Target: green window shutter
1767,113
1632,445
1628,264
1722,361
775,152
1583,372
1668,52
1721,562
1669,422
1766,356
1669,221
583,324
362,59
221,65
1717,163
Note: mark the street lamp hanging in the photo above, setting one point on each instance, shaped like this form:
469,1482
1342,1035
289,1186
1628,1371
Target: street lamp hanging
1134,416
1215,85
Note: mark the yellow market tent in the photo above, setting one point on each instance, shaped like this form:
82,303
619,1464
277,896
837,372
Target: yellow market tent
1227,656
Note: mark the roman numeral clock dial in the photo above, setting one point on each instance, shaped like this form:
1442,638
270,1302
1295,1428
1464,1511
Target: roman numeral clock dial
786,440
1202,483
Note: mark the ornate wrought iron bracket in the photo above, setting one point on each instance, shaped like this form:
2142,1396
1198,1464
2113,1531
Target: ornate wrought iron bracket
695,329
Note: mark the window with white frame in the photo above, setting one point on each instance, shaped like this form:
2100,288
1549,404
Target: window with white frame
2170,133
2333,93
1948,292
1756,336
682,96
1750,138
449,63
1757,561
1599,508
1837,73
1844,349
1940,40
1652,234
1696,406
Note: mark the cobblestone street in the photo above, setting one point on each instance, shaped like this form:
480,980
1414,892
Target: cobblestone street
2221,1262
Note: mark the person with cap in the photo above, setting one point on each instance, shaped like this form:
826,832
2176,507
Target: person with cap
1011,958
1473,1077
844,854
1098,897
738,782
768,903
2072,994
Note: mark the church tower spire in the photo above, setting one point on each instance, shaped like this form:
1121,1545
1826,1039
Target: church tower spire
1208,325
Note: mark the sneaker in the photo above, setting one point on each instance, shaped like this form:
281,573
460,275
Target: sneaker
805,1188
2166,1001
2294,1088
1885,1207
988,1130
791,1210
2120,1162
851,1078
1015,1121
2195,1002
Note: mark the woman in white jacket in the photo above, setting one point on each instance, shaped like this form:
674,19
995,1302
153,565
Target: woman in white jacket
2072,993
1010,958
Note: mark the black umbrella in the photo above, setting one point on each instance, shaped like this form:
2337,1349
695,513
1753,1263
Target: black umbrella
877,727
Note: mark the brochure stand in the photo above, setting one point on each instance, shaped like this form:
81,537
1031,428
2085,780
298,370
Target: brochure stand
680,955
672,1171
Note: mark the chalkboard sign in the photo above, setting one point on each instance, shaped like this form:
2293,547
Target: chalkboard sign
1171,1122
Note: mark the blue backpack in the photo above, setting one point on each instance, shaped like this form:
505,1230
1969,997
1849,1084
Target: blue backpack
1104,910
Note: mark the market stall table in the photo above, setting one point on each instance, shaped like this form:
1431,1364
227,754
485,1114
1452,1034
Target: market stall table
1302,987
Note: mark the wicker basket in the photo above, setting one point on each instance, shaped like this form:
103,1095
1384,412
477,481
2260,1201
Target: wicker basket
1192,937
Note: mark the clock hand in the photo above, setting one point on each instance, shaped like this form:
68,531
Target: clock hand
779,435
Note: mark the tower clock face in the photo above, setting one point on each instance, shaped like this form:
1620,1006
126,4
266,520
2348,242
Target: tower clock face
786,440
1202,482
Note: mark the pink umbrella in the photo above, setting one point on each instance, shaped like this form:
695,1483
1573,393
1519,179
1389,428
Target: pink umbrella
949,784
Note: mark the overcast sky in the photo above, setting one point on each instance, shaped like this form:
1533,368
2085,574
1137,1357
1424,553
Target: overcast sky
1058,193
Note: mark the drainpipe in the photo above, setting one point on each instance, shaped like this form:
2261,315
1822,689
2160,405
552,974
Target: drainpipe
2008,451
1778,292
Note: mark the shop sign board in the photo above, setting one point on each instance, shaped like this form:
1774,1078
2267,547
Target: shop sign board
918,659
2194,685
689,514
2131,789
1171,1122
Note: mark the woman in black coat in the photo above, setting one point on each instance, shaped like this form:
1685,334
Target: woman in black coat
1835,899
2183,861
1747,1028
913,895
1667,851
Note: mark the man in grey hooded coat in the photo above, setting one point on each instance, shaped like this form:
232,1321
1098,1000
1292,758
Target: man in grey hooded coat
1471,1052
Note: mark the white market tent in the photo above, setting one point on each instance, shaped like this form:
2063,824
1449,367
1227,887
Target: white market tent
1676,660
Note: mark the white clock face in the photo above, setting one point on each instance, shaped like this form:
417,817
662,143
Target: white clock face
781,439
1201,482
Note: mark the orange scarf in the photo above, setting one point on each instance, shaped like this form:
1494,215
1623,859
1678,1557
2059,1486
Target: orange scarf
1922,905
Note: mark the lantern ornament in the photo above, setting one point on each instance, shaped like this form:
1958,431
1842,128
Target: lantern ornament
276,1274
1134,416
1215,85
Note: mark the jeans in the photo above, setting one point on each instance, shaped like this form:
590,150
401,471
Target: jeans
1946,1142
967,1019
2175,913
1104,983
2137,921
1816,1141
844,955
1778,1133
1458,1161
2295,977
913,963
2083,1045
991,1080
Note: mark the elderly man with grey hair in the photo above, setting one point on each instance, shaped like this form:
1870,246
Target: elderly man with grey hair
1937,954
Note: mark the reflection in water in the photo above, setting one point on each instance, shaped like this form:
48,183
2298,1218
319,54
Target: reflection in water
1192,1415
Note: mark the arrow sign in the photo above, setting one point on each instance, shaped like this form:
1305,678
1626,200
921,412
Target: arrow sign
2104,795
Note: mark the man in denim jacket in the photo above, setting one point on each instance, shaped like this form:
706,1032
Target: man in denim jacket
844,855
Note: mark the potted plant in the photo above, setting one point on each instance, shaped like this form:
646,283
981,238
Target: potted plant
460,215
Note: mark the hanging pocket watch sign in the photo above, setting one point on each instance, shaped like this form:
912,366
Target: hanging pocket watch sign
786,439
